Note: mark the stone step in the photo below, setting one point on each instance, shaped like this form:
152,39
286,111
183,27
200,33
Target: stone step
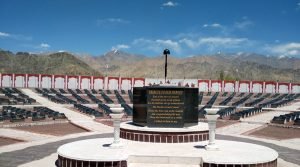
164,160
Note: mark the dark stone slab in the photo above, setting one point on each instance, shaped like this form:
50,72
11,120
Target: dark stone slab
165,107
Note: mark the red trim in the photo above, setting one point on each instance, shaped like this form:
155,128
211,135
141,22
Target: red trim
229,82
295,84
206,81
283,83
59,76
270,83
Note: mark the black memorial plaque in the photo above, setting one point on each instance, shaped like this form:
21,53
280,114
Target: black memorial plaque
165,107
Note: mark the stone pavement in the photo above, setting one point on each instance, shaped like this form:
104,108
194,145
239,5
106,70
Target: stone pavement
35,153
22,135
16,158
75,117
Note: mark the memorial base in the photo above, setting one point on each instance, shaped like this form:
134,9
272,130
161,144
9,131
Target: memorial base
95,153
196,133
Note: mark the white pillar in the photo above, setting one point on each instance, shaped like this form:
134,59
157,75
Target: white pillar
212,120
116,116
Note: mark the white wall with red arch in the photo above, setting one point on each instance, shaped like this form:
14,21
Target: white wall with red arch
126,83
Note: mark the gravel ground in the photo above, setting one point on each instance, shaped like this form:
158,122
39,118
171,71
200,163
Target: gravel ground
53,129
275,132
6,141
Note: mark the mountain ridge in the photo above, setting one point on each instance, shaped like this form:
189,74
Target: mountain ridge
235,66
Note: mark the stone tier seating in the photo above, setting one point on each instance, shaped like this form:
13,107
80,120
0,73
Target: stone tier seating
275,95
241,95
119,97
78,91
245,113
267,95
297,122
227,100
47,112
78,98
94,98
46,91
106,98
258,95
86,91
54,91
5,101
281,103
213,99
105,108
64,98
241,101
200,97
108,92
62,91
15,114
15,96
254,102
88,110
224,112
272,101
224,94
94,91
127,109
282,119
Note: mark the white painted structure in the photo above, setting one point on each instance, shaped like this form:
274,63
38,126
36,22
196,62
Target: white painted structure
118,83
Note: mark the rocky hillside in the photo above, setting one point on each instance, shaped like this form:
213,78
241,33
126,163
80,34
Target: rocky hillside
118,63
55,63
228,67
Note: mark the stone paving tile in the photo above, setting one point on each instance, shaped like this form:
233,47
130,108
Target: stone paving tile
15,158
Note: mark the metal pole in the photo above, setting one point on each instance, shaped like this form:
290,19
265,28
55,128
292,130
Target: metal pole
166,67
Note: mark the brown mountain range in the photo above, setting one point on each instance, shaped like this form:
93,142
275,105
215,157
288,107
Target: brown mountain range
118,63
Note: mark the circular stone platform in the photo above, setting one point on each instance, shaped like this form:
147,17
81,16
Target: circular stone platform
194,133
95,153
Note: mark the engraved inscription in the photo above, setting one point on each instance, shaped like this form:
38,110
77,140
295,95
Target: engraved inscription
165,108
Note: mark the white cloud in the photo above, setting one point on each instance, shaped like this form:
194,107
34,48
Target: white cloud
3,34
44,46
110,21
120,46
215,42
170,4
157,45
245,23
214,25
288,49
15,36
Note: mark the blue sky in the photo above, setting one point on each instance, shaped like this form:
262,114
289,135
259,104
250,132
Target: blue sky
186,27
